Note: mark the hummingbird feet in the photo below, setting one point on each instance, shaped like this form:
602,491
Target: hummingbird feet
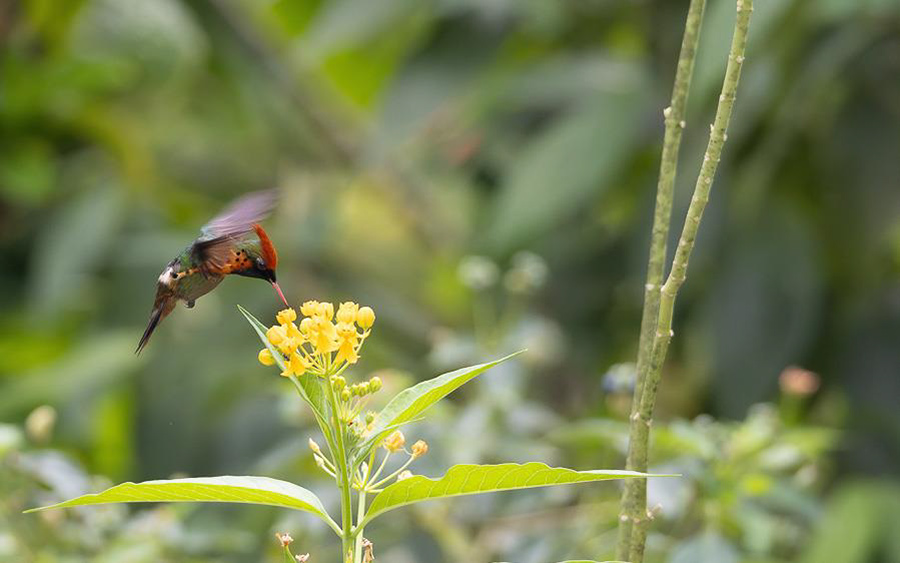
190,304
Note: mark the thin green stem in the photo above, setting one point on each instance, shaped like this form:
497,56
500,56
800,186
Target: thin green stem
632,499
663,332
394,474
380,467
358,532
344,476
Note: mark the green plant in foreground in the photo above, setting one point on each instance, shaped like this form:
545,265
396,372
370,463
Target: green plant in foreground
315,354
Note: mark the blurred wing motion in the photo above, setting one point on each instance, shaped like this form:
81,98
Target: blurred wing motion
241,215
213,250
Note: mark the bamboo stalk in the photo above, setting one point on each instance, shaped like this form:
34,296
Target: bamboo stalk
641,419
633,496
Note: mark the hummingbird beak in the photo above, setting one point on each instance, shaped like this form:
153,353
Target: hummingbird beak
280,294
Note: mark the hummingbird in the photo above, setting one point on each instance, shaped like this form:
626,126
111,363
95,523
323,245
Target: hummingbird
231,243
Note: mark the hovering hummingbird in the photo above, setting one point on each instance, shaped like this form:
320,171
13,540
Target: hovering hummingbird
232,243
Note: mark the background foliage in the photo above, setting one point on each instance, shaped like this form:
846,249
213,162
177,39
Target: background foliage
421,147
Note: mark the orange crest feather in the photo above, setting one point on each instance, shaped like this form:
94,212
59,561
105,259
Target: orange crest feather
267,248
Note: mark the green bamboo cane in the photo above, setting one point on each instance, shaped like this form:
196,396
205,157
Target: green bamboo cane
641,420
633,497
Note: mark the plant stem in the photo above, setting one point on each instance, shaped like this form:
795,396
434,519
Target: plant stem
344,474
360,514
632,499
663,334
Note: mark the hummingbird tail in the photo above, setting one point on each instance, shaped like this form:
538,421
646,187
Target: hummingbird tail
151,326
161,309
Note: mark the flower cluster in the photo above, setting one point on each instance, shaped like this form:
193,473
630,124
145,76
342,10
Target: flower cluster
324,343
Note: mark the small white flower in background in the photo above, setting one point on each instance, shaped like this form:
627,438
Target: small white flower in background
40,423
478,272
406,474
302,558
527,274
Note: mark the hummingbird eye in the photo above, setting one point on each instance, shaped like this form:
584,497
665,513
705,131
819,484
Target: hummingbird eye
260,263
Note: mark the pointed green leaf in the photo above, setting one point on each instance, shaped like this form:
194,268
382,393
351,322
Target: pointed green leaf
474,479
307,385
411,402
249,490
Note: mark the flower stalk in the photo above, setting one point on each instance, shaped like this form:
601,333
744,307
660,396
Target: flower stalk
655,337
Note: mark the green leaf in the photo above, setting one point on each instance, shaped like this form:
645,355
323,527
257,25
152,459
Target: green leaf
308,385
411,402
248,490
574,162
473,479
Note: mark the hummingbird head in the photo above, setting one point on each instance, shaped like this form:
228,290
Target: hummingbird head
263,260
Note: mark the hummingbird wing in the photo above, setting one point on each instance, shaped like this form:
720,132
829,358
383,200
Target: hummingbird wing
240,216
215,247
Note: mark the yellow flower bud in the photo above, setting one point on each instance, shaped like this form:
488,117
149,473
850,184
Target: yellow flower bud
375,384
419,449
305,325
365,317
265,357
276,335
364,388
338,382
345,394
314,446
286,316
394,442
370,417
404,475
347,312
309,308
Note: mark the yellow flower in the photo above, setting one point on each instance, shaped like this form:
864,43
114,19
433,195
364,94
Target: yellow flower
394,442
419,449
309,308
347,312
276,335
265,357
322,336
347,338
297,365
325,311
286,316
365,317
291,331
289,345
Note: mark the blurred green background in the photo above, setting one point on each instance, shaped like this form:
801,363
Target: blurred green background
482,174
